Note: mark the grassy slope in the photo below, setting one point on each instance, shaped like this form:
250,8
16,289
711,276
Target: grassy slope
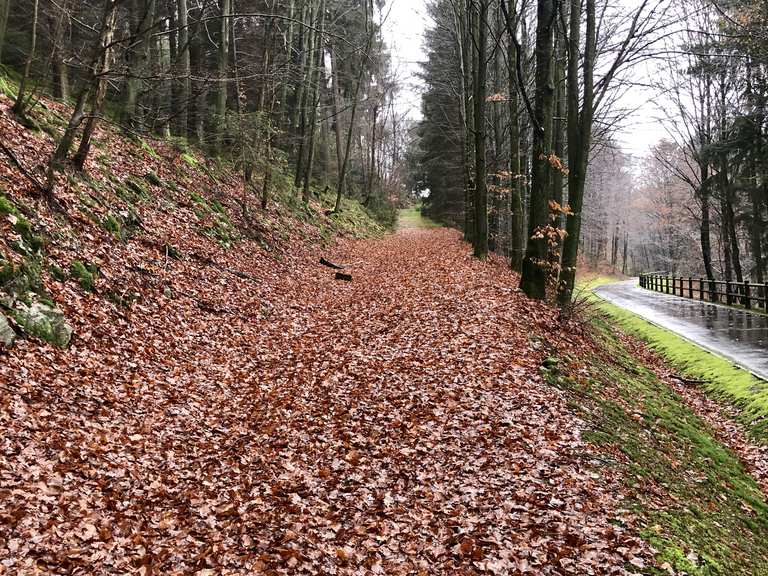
412,218
702,513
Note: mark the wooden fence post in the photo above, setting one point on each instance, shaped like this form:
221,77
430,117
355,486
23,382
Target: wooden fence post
690,287
747,303
728,293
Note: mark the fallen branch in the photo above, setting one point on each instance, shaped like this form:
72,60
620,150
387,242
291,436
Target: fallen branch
343,276
27,174
686,380
330,264
211,262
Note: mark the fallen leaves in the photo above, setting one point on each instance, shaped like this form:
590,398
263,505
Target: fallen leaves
285,423
396,425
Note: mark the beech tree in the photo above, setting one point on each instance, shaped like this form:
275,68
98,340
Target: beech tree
243,79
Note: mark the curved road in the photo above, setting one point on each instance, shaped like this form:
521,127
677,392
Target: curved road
740,336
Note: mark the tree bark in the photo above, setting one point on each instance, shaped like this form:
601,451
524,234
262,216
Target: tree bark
315,79
534,276
372,170
308,67
580,120
223,65
480,237
60,72
336,111
704,228
465,25
353,112
21,103
94,83
515,169
5,8
142,13
185,71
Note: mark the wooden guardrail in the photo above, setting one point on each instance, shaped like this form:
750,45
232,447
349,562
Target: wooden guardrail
747,294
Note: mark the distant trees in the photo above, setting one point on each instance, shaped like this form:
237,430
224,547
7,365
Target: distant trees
231,76
538,134
718,87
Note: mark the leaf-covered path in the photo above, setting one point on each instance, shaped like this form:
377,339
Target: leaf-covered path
396,424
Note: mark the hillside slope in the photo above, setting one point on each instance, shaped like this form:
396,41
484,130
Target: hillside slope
143,221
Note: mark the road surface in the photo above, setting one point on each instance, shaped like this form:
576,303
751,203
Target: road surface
740,336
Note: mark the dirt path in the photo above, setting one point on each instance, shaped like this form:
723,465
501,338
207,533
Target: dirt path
396,424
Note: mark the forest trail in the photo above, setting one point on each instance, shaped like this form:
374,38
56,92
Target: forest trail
740,336
395,424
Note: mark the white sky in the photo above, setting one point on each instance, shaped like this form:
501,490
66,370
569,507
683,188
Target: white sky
403,30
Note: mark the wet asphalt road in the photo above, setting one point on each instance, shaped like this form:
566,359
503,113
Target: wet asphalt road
742,337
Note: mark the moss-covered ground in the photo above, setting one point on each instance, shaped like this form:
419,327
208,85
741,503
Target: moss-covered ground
409,218
703,514
719,377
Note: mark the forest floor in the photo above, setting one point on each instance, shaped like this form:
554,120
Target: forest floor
226,406
425,418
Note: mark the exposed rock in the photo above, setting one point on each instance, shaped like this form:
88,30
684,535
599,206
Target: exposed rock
7,335
44,322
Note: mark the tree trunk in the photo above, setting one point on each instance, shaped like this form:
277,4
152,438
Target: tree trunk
336,111
223,65
515,167
5,8
60,75
579,139
353,111
185,71
91,85
315,80
288,47
480,237
534,277
755,231
20,106
495,214
372,170
704,229
142,13
464,21
308,67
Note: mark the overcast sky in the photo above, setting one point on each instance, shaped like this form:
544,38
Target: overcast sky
403,32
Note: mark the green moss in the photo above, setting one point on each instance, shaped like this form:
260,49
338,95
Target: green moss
57,272
9,82
145,147
698,507
112,224
137,187
720,378
199,200
19,280
154,179
6,206
84,274
189,159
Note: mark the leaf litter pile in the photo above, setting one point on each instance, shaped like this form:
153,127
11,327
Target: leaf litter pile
396,424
